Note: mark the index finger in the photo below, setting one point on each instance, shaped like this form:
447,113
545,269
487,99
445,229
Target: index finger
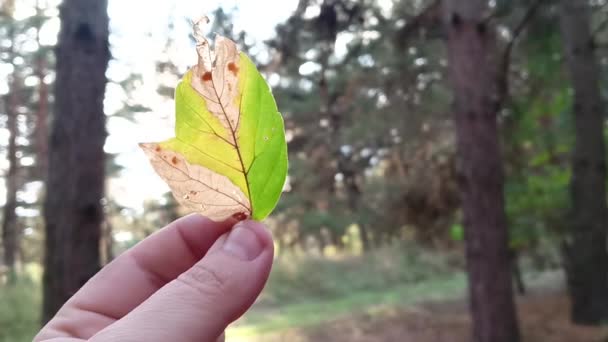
134,276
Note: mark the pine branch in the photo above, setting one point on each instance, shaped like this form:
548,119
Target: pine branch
599,29
505,63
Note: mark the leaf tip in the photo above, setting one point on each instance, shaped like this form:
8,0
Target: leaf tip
197,27
150,146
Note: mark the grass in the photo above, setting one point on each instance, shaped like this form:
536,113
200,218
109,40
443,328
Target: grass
258,322
296,279
19,311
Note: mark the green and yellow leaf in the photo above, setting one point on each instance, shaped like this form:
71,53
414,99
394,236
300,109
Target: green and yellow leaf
229,155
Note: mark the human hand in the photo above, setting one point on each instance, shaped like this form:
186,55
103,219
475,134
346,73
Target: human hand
186,282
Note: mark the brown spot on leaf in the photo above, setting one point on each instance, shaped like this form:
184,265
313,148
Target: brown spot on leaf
193,193
174,160
207,76
233,68
157,149
240,216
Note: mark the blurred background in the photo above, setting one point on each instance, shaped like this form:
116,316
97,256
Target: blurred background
447,160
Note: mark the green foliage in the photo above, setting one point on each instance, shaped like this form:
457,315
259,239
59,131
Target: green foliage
457,232
360,118
538,138
19,311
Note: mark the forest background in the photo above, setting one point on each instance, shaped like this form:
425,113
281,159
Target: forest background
447,175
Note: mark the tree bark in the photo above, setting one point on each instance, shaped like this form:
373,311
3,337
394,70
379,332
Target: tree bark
75,181
41,130
518,276
366,242
585,245
10,236
472,68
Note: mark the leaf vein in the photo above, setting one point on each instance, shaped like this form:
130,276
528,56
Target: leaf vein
203,184
207,154
210,133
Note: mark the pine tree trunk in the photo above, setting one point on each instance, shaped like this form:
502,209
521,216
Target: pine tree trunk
75,182
471,48
518,276
366,243
10,236
41,130
585,247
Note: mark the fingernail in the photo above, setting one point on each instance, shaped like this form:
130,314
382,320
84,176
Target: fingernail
243,243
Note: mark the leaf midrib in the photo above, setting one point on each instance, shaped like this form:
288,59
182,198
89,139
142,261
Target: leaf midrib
236,144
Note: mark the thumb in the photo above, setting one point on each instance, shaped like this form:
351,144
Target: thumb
201,302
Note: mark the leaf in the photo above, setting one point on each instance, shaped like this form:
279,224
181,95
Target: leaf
229,155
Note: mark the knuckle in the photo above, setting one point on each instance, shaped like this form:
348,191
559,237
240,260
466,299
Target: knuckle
205,280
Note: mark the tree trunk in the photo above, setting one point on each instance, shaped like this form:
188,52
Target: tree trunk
75,182
107,243
471,48
10,236
364,233
518,276
42,113
585,246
